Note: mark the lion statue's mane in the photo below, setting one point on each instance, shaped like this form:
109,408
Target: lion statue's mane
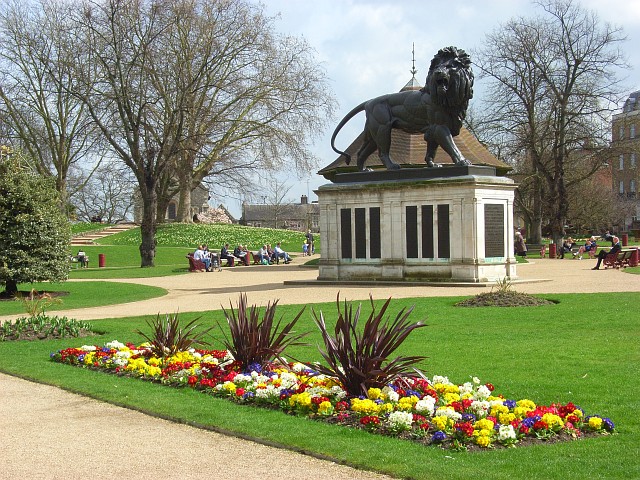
437,110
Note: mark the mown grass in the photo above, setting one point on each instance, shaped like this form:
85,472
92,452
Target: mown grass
85,294
583,349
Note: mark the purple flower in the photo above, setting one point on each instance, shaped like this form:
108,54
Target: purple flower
438,437
468,417
608,424
510,404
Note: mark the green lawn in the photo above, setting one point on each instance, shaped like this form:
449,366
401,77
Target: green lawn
85,294
585,349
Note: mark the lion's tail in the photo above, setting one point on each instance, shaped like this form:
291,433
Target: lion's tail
342,123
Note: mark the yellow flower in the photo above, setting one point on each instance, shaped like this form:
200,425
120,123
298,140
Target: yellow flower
506,418
229,387
364,407
325,408
374,393
483,438
451,397
496,410
595,423
528,404
89,358
440,422
407,403
483,424
554,421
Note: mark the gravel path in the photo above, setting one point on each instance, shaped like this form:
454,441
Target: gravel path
75,437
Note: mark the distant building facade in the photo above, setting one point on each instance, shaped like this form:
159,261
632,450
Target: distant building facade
625,148
290,216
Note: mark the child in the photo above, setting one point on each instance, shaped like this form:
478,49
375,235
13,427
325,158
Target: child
305,249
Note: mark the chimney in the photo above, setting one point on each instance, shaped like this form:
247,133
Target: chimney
303,200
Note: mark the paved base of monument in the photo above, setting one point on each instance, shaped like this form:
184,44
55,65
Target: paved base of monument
409,283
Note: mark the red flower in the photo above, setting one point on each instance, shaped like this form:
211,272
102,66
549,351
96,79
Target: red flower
193,380
239,392
490,386
540,425
465,428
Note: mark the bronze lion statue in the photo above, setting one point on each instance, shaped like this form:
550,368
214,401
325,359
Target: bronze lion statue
437,111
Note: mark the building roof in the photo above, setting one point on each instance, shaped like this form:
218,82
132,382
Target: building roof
265,213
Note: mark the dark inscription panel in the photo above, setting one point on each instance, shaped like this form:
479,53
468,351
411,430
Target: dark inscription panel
345,232
427,231
444,242
361,233
494,230
374,232
412,231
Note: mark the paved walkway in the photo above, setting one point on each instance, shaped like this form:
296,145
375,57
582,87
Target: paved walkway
75,437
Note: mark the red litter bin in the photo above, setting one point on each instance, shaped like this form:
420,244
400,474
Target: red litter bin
552,250
625,239
101,260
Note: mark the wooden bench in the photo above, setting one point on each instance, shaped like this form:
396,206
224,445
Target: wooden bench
75,261
195,265
622,259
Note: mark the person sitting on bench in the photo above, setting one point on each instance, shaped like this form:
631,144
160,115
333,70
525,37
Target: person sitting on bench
241,254
225,255
603,253
201,255
279,253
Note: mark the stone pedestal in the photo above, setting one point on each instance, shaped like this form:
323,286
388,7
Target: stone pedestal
449,224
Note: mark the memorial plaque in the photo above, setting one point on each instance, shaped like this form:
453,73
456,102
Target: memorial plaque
411,231
345,232
374,232
427,231
494,230
444,242
361,233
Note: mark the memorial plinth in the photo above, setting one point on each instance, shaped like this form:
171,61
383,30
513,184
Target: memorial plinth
449,224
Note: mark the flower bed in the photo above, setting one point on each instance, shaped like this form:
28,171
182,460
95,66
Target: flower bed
434,411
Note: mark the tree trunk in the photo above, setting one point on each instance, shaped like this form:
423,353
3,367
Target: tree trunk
148,228
184,203
11,288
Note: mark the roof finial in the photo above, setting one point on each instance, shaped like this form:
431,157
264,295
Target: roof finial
413,54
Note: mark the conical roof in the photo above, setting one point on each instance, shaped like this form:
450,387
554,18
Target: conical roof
409,150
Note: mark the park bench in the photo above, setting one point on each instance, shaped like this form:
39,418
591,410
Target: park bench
195,265
621,259
75,261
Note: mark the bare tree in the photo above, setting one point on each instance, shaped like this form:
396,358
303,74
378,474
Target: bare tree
48,123
249,99
107,194
553,86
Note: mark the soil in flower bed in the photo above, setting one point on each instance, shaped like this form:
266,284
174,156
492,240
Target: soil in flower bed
504,299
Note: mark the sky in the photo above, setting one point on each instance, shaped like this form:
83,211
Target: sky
365,47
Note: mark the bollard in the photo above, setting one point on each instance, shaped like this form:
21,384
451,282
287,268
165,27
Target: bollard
552,250
101,260
625,239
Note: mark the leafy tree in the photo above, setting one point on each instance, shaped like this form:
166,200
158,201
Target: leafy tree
34,233
553,86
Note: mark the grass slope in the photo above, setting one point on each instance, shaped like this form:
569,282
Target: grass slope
585,350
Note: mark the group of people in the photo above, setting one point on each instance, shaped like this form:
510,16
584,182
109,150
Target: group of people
266,255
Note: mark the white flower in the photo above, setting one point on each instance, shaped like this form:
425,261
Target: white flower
449,413
482,393
123,354
426,405
88,348
390,394
116,345
465,388
400,420
299,367
288,379
440,379
476,380
480,408
506,432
